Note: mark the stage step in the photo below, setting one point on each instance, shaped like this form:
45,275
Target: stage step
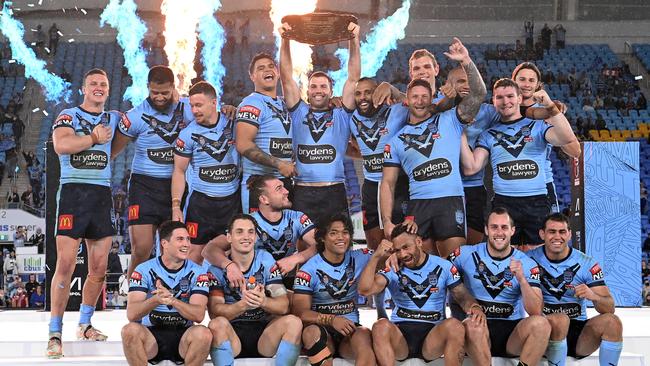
627,359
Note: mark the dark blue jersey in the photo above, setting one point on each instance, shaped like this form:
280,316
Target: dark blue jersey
280,238
420,293
518,156
487,117
271,117
492,283
333,286
373,133
265,272
184,282
213,157
320,140
429,153
154,132
91,166
559,279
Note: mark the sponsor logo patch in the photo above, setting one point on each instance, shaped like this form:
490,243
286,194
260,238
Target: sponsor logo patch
125,122
316,154
89,160
66,222
134,212
519,169
163,155
596,272
192,229
302,279
248,112
218,173
373,163
432,169
281,147
63,120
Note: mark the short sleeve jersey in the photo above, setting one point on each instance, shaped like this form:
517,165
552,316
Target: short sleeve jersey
333,286
373,133
265,272
273,122
184,282
559,279
429,153
91,166
518,156
491,281
213,157
280,238
320,140
486,118
155,132
420,293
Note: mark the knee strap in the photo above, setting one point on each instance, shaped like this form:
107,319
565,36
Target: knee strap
319,353
95,279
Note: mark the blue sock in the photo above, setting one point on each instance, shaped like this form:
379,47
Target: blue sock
609,353
85,313
222,354
556,353
287,353
56,324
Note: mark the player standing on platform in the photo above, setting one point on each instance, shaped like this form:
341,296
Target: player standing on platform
278,230
418,327
208,146
516,148
325,294
82,137
505,282
154,125
263,129
428,149
320,133
527,76
167,295
569,278
251,320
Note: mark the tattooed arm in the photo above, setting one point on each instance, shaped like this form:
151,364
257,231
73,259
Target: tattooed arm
246,146
469,107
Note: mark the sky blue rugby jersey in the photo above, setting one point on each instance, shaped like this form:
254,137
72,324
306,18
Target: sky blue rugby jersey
487,117
184,282
280,238
93,165
272,119
429,153
320,140
420,293
265,272
373,133
518,156
492,283
154,133
559,278
333,287
213,157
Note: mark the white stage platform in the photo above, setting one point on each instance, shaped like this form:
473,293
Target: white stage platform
23,340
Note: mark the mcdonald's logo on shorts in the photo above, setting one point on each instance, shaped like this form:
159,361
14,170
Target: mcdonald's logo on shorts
192,229
66,222
134,212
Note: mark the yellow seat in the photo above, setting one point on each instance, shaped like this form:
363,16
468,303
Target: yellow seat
626,134
637,134
594,135
616,135
643,127
604,135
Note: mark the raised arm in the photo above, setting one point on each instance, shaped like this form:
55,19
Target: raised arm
290,88
371,283
561,134
354,68
469,106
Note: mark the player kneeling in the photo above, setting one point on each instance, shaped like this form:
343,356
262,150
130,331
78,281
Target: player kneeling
167,294
417,327
250,321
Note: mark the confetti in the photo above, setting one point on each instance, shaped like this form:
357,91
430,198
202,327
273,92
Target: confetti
40,2
30,5
78,30
84,11
47,49
45,113
59,33
35,110
71,40
63,10
34,30
12,61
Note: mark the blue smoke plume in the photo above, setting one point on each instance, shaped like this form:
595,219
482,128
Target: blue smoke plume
213,36
130,33
54,87
379,42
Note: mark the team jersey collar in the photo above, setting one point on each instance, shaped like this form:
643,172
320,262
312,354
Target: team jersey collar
557,260
267,96
167,112
274,223
514,121
424,263
408,121
96,114
171,270
512,251
250,265
345,256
